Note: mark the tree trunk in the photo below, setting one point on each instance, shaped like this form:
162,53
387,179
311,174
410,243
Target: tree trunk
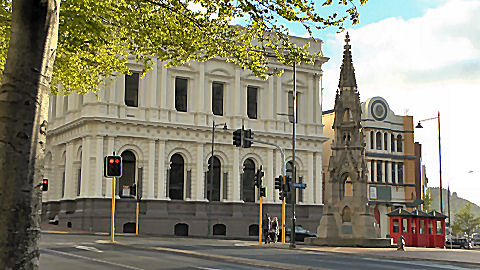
23,113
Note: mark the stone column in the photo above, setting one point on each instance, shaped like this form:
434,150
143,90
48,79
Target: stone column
86,181
161,194
269,176
236,94
199,181
236,174
200,89
152,86
281,107
149,175
318,178
98,171
310,102
317,106
309,190
69,192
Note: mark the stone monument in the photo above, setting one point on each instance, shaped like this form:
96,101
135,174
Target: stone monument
347,218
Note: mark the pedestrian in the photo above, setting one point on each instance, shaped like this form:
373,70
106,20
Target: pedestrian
401,243
275,229
266,228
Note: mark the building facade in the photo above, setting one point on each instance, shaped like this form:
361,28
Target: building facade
392,158
162,126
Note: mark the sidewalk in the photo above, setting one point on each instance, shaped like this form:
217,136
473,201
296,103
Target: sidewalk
411,253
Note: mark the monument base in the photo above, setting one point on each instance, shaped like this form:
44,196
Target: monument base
349,242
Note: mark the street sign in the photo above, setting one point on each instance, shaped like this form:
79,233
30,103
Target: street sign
299,185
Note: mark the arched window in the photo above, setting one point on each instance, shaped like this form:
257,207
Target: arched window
347,187
379,170
213,188
392,143
372,170
399,143
372,145
253,230
376,214
346,215
181,229
378,141
128,171
248,190
347,115
385,141
219,229
176,179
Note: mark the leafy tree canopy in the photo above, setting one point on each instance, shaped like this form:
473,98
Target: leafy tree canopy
98,38
465,221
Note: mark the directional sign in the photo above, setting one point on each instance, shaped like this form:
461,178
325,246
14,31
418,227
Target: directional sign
299,185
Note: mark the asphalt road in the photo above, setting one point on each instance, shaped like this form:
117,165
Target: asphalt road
66,251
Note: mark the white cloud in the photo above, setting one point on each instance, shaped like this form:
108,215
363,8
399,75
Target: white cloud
424,65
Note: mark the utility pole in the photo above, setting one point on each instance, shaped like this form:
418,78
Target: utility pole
294,173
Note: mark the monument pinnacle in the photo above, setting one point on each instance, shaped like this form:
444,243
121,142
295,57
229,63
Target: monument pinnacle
347,72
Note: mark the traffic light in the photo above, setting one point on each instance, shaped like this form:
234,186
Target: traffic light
237,137
278,182
113,166
263,192
44,184
258,177
286,187
139,198
247,134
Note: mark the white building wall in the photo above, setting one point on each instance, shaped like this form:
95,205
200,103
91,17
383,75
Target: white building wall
154,130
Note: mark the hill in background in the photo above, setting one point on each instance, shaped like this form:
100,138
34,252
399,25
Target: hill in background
456,203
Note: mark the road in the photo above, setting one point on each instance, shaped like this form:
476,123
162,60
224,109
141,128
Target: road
62,251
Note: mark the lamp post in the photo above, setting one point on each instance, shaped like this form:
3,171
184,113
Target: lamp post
439,154
209,188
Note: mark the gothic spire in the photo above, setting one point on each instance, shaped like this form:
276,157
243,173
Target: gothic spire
347,72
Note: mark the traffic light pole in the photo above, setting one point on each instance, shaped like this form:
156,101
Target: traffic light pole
112,222
260,223
136,219
283,210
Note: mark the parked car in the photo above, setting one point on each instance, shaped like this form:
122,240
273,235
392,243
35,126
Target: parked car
460,242
300,233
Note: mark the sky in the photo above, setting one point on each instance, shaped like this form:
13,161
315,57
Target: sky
423,57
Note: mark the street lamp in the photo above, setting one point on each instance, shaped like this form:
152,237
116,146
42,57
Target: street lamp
211,158
209,189
419,125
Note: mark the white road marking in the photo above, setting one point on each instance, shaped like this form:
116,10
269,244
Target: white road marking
206,268
89,248
94,260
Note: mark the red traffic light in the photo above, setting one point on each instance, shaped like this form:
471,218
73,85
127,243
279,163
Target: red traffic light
110,160
45,184
117,160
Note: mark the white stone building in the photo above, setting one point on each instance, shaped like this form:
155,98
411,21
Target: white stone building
162,126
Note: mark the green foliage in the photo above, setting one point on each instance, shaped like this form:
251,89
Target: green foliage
427,202
465,221
97,39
